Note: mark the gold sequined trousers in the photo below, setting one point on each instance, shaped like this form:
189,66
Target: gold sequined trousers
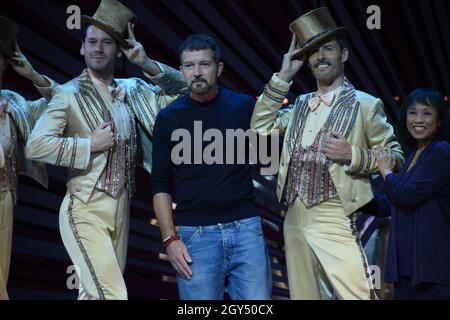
6,226
324,255
96,237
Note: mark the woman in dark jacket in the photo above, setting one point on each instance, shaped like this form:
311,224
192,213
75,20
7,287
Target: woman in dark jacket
418,200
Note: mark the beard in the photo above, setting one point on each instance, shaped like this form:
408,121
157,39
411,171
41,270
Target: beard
334,70
200,87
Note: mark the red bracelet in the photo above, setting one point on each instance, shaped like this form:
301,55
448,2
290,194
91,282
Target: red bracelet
170,239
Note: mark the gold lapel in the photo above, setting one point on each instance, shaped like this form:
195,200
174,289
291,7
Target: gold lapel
341,119
300,114
92,106
345,109
21,117
139,104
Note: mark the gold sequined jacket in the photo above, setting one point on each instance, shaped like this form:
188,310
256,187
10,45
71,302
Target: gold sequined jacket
62,135
21,118
358,114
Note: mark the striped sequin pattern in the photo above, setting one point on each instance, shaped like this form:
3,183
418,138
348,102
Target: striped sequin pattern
308,174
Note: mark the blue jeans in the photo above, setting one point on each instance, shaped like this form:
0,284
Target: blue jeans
233,253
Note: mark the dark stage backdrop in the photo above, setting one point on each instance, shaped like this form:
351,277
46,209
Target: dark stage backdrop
410,50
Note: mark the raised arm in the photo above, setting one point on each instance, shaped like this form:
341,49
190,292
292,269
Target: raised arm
266,116
168,79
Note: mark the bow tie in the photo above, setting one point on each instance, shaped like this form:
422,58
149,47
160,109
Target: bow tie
327,100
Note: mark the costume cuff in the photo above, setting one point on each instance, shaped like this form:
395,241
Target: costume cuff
277,89
357,159
46,92
169,79
277,80
78,153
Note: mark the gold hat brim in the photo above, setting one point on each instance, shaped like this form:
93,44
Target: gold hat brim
340,32
87,21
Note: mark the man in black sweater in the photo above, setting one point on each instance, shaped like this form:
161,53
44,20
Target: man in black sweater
220,242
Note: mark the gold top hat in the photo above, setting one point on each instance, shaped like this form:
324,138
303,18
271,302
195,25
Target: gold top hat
313,28
112,17
8,34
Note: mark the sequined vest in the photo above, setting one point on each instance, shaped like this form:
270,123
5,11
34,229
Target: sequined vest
20,124
119,170
308,174
8,174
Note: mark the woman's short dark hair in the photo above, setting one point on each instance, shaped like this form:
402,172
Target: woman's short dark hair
201,41
429,97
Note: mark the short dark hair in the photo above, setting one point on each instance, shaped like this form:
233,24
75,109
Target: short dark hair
342,43
429,97
201,41
84,32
